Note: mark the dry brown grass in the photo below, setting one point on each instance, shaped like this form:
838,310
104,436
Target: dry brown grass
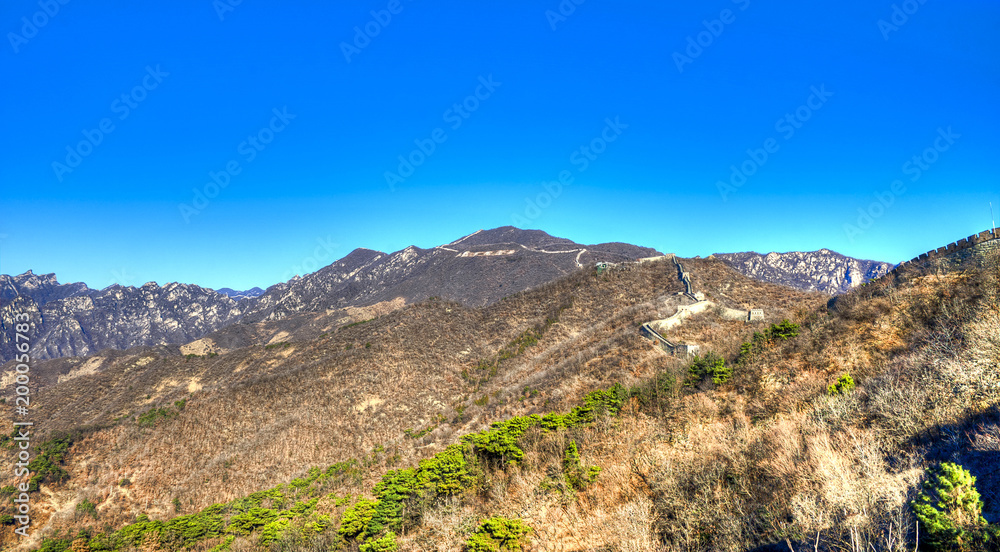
262,416
764,458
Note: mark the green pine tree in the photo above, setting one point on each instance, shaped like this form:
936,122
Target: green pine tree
950,511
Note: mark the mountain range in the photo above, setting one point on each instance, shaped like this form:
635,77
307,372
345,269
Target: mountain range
824,270
479,269
476,270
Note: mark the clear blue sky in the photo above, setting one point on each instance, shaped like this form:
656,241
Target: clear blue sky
115,114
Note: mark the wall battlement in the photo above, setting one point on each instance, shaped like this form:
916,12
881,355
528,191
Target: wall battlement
992,237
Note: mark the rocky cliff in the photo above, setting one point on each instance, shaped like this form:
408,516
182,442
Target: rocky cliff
824,270
72,319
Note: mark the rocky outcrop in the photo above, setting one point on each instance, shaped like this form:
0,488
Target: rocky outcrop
83,321
824,270
39,288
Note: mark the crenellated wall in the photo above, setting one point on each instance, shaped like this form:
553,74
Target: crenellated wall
981,243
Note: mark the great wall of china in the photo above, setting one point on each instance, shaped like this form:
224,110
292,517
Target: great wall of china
976,246
654,329
990,239
979,245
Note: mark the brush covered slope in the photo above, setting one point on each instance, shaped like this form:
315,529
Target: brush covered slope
378,436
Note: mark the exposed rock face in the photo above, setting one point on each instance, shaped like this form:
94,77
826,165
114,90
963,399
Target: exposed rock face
40,288
72,319
824,270
83,321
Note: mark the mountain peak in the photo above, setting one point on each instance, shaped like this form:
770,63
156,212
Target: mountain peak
511,235
362,254
476,269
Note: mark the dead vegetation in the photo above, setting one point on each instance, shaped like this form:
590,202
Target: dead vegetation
765,461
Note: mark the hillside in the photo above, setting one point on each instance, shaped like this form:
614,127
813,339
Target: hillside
354,388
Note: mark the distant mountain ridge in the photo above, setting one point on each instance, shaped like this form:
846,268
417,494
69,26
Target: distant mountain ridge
478,269
475,270
824,270
240,295
72,319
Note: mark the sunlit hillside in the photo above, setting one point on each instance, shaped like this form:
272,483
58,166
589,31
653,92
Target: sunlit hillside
811,429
